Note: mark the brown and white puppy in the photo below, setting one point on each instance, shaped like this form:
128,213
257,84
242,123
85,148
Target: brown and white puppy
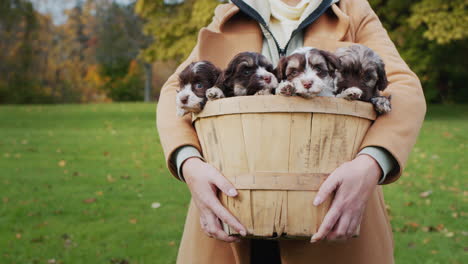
362,76
248,73
194,80
307,72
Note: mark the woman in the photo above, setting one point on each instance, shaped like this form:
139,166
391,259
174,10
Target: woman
275,28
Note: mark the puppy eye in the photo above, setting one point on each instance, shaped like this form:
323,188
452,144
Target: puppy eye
247,72
198,86
367,77
294,72
318,69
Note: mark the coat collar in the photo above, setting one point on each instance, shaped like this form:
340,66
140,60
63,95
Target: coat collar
328,26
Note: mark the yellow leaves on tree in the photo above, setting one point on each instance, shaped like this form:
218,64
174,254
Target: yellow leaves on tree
446,21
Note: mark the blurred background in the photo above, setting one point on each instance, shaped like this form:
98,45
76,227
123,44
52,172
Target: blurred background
82,172
79,51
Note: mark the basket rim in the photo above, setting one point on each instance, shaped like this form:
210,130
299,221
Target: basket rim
283,104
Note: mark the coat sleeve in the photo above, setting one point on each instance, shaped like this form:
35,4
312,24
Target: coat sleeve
398,130
174,131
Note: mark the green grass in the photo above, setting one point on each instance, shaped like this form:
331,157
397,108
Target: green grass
55,160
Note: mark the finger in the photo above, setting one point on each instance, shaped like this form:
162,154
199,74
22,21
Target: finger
353,225
340,229
204,225
227,217
328,186
215,230
224,185
328,223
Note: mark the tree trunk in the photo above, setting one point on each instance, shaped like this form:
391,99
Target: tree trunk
148,80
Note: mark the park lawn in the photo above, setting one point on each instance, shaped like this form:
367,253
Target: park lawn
79,183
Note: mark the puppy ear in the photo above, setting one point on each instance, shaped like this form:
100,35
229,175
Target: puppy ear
333,62
382,82
280,70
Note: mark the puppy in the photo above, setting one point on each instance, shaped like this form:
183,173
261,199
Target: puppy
362,76
248,73
307,72
194,80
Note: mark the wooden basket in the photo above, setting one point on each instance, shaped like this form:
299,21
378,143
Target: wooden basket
277,151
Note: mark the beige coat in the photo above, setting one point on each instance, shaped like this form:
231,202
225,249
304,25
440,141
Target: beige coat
349,21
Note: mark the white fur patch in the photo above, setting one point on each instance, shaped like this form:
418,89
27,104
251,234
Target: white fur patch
302,50
285,88
194,103
214,93
239,90
352,93
262,72
197,65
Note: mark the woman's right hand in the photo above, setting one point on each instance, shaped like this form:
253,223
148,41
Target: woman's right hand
204,181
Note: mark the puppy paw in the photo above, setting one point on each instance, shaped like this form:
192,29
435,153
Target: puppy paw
214,93
285,88
350,94
264,92
181,112
381,104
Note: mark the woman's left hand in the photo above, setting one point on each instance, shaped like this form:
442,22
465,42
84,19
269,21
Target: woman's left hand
353,183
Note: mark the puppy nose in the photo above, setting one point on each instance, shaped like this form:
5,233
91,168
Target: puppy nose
307,84
184,99
267,79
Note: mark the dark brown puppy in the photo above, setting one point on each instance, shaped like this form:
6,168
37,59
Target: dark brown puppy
307,72
248,73
361,76
194,81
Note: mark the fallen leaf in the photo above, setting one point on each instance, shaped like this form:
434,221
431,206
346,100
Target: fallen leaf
447,134
62,163
440,227
434,251
125,177
99,193
37,239
119,261
18,236
110,178
133,221
6,199
171,243
425,194
449,234
412,224
89,200
51,261
106,153
155,205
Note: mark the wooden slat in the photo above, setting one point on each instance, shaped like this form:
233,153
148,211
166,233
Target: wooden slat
282,104
235,162
300,201
281,181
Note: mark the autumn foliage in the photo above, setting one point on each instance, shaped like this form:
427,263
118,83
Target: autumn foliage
88,58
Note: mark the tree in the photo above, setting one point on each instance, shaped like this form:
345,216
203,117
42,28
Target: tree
431,36
120,39
174,27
